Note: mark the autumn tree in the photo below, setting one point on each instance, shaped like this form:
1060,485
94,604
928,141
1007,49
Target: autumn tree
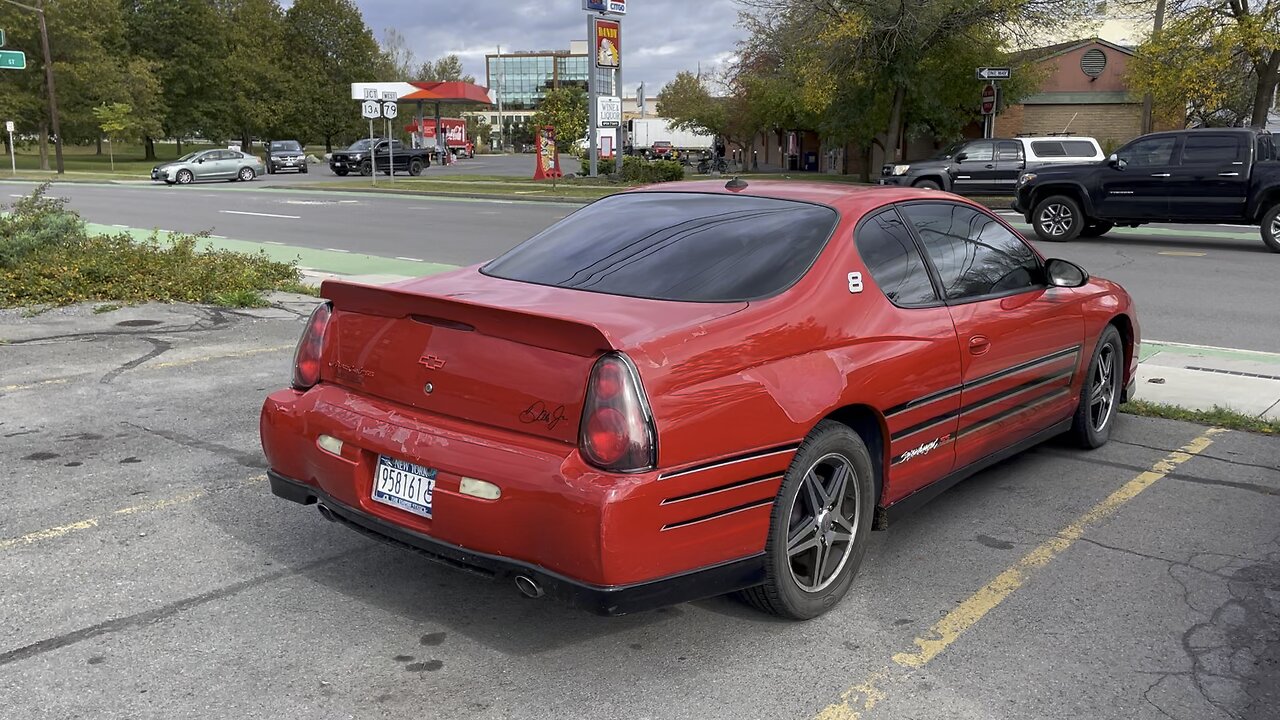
444,69
565,109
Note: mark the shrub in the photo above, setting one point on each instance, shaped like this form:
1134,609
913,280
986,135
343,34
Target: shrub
637,170
48,258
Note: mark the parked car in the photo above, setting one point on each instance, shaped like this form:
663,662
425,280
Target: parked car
285,155
209,165
621,413
662,150
1218,175
364,155
990,167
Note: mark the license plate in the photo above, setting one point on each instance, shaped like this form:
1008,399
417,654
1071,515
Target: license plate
288,162
404,485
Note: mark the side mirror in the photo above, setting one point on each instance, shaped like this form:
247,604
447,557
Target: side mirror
961,157
1065,274
200,160
1115,161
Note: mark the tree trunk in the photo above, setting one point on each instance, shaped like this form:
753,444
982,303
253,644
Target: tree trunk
328,143
1265,95
178,140
246,144
893,132
868,157
99,139
149,148
44,146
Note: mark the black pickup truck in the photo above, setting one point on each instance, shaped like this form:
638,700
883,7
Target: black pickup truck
364,154
1210,175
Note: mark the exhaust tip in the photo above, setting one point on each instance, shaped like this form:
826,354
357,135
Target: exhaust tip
528,587
325,512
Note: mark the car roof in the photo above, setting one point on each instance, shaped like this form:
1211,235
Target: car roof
849,200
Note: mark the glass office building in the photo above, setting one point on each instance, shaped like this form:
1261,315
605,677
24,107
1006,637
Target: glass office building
521,79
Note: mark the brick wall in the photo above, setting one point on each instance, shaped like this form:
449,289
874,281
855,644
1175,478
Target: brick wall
1010,121
1115,122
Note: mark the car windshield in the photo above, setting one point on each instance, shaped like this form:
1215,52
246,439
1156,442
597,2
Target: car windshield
285,146
359,145
946,152
697,247
189,157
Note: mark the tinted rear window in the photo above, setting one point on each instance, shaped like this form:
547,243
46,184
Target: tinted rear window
1063,148
675,246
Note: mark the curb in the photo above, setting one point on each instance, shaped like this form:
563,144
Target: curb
431,193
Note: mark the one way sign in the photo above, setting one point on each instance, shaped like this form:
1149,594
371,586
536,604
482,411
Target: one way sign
993,73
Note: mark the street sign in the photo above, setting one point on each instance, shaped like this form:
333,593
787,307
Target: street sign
8,126
390,110
13,60
608,111
988,99
993,73
371,109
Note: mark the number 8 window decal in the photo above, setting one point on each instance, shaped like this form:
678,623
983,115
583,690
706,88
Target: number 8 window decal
855,282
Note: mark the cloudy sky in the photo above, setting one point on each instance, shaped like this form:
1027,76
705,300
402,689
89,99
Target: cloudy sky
659,37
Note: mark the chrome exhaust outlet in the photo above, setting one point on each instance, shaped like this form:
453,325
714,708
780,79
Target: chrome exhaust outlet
326,513
528,587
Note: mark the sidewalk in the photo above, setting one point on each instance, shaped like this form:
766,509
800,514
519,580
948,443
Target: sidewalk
1199,377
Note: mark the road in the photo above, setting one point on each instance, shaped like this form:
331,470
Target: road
515,165
1207,285
149,573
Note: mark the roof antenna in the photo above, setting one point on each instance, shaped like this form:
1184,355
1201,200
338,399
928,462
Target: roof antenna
735,184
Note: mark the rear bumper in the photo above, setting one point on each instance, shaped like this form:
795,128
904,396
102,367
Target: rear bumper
599,599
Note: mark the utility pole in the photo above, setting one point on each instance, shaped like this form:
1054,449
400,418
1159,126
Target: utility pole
48,77
1148,122
502,142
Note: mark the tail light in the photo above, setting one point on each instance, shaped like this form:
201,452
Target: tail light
306,359
617,431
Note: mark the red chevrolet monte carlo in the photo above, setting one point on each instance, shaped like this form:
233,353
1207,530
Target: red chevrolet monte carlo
684,391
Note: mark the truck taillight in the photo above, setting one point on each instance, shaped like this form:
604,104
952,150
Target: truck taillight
617,432
306,358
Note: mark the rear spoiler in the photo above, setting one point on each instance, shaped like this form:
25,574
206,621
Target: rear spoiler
515,324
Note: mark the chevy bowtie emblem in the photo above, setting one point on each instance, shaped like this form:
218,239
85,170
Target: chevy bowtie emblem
431,362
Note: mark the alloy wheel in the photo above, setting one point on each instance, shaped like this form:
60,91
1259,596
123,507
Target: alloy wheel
1102,394
1056,219
823,523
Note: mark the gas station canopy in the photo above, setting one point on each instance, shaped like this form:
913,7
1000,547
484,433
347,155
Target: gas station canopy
442,93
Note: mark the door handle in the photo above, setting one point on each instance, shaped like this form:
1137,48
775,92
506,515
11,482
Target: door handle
1159,174
1228,174
979,344
990,167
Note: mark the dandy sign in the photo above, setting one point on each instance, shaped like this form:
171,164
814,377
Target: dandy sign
608,43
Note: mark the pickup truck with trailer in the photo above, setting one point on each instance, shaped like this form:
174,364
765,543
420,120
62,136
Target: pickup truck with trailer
1206,175
364,154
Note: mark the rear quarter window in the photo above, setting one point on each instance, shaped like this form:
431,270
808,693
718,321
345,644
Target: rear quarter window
675,246
1064,148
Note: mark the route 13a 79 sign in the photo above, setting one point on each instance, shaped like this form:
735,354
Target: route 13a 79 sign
371,109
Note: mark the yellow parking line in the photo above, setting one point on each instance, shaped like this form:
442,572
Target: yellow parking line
93,522
156,366
864,696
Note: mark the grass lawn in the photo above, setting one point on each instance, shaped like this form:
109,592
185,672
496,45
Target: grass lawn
82,159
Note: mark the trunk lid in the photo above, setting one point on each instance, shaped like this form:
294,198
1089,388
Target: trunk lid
491,351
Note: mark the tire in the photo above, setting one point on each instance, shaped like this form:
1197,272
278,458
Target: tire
1096,229
1058,218
1271,228
341,172
1100,392
927,184
303,170
246,174
415,167
184,177
366,168
793,587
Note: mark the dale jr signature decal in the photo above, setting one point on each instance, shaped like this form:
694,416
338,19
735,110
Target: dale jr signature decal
922,450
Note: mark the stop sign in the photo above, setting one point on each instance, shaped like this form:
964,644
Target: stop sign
988,99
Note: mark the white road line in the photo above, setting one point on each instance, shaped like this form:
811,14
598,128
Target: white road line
219,237
272,242
337,250
398,257
121,226
258,214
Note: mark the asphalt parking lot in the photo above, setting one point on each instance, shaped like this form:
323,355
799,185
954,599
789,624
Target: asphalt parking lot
149,573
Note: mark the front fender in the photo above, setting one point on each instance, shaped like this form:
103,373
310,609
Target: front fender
1062,187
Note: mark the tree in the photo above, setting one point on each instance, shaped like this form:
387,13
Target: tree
260,88
189,44
1220,59
334,48
689,104
117,122
397,57
445,69
565,109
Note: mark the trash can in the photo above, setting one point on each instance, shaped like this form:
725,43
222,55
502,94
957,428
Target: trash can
811,161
